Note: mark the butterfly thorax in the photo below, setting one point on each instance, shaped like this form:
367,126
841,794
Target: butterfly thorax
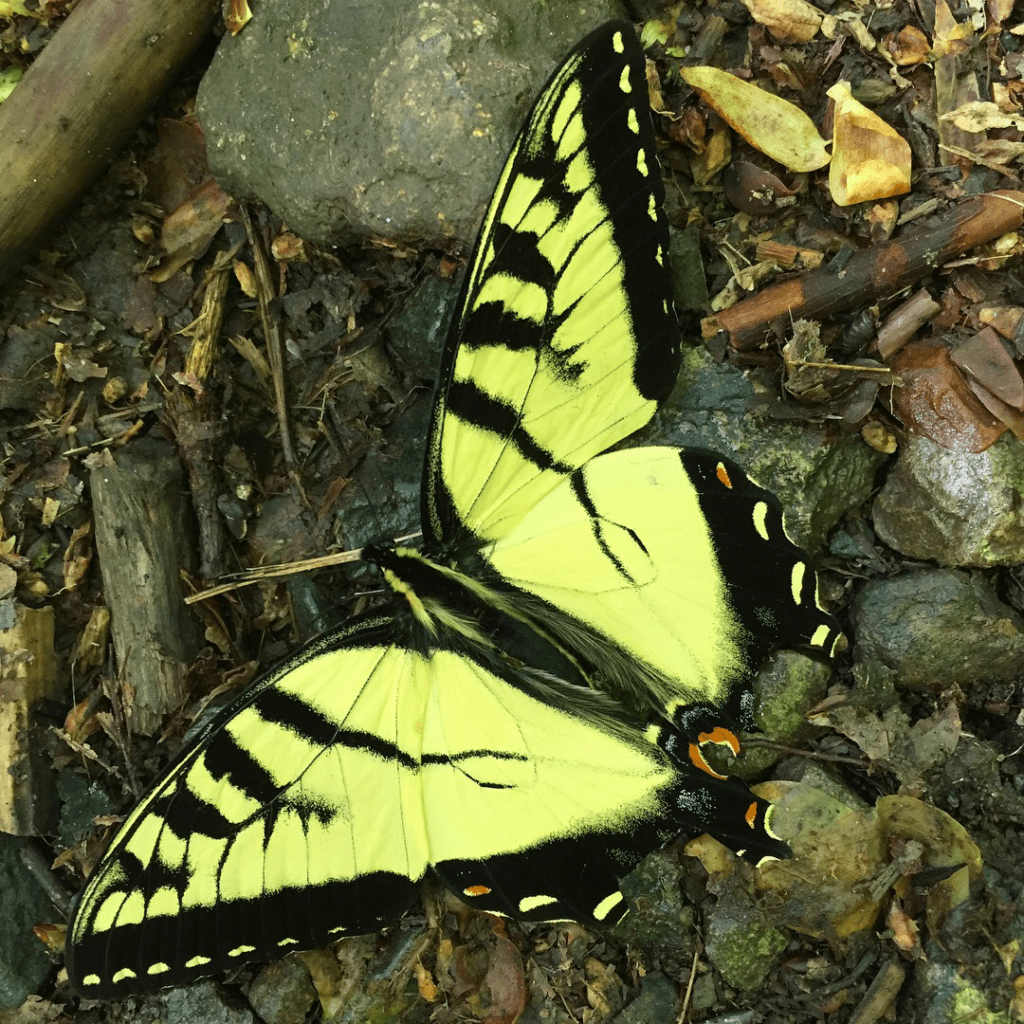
438,597
449,606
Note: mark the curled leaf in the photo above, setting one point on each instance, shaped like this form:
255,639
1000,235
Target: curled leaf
870,160
768,122
908,46
754,190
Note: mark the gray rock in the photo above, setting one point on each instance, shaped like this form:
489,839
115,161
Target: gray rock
283,992
938,627
788,684
740,941
660,921
942,992
817,479
657,1002
363,118
416,334
383,500
24,964
957,508
81,801
203,1001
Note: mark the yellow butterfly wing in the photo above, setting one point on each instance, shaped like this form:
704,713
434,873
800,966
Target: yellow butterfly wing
318,801
563,342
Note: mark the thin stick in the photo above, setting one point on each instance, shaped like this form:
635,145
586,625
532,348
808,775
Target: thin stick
248,577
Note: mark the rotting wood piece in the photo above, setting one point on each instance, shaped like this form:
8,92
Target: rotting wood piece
145,536
28,675
869,276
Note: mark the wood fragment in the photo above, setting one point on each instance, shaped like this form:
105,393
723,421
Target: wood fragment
789,257
881,994
904,322
78,103
871,275
199,433
145,537
28,675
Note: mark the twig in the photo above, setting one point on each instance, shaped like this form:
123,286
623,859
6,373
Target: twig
870,275
265,572
266,291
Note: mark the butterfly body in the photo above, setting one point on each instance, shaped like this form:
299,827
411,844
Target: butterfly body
525,718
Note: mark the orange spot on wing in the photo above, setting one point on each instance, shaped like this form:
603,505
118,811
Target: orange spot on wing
723,476
697,758
751,815
476,890
721,735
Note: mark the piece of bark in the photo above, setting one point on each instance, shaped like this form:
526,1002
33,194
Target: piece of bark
78,104
870,275
904,322
145,537
28,675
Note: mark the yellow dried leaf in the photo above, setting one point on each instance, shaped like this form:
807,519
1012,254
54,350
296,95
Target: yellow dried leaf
51,509
714,158
246,278
1004,98
999,10
870,160
909,46
792,21
9,78
91,648
978,116
853,25
950,36
769,123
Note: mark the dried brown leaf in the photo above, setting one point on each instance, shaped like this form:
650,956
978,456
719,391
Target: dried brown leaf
985,358
908,46
236,16
91,649
752,189
190,229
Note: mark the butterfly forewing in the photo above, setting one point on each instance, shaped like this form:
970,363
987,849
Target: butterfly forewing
564,340
319,800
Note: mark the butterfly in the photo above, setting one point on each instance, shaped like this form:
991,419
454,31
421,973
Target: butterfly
527,716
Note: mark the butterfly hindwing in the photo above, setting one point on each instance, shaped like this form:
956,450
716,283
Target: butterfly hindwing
563,342
670,571
226,859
